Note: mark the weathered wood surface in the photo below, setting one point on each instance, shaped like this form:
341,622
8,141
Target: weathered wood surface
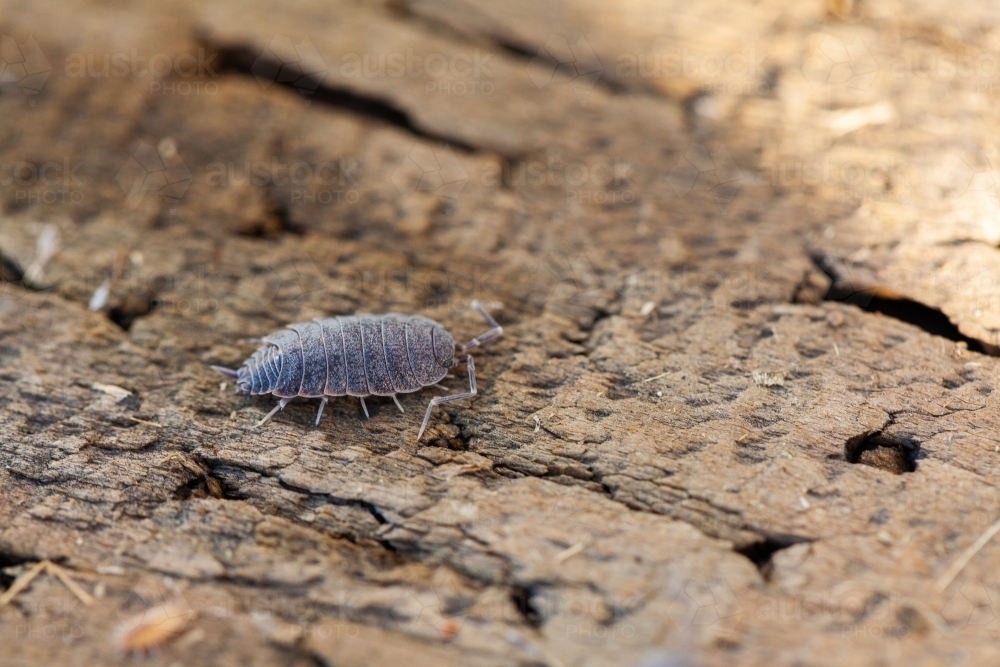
680,454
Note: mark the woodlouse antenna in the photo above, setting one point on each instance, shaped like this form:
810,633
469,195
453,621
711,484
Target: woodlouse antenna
495,331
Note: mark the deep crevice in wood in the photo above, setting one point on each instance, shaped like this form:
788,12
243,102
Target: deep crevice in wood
238,59
761,552
10,271
896,453
133,306
522,595
508,44
875,299
10,560
333,500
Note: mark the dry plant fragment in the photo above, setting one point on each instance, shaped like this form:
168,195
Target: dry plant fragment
763,379
52,570
74,587
46,248
146,423
963,560
114,391
21,583
569,552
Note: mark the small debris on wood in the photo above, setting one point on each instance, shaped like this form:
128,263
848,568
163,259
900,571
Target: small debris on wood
767,379
100,297
447,629
21,583
146,423
46,247
52,570
569,552
111,390
967,555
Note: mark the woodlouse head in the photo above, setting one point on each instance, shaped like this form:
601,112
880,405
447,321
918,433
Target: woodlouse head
243,380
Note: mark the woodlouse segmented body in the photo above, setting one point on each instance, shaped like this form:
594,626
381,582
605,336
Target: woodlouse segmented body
361,355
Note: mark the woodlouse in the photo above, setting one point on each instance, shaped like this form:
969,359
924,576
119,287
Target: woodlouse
358,355
153,628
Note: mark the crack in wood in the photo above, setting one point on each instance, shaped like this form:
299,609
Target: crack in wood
243,60
761,552
878,299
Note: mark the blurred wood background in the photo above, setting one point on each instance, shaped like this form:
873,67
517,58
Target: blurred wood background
745,255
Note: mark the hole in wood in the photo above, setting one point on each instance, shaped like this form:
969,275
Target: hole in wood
894,453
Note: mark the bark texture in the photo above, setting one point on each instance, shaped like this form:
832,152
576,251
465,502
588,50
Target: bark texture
745,258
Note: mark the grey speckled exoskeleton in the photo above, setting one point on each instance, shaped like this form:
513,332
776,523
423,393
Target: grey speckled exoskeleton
358,355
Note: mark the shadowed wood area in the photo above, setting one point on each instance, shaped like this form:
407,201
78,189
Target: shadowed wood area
745,257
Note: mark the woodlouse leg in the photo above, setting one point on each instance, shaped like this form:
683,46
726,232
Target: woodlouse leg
364,407
482,338
322,404
280,406
438,400
396,400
